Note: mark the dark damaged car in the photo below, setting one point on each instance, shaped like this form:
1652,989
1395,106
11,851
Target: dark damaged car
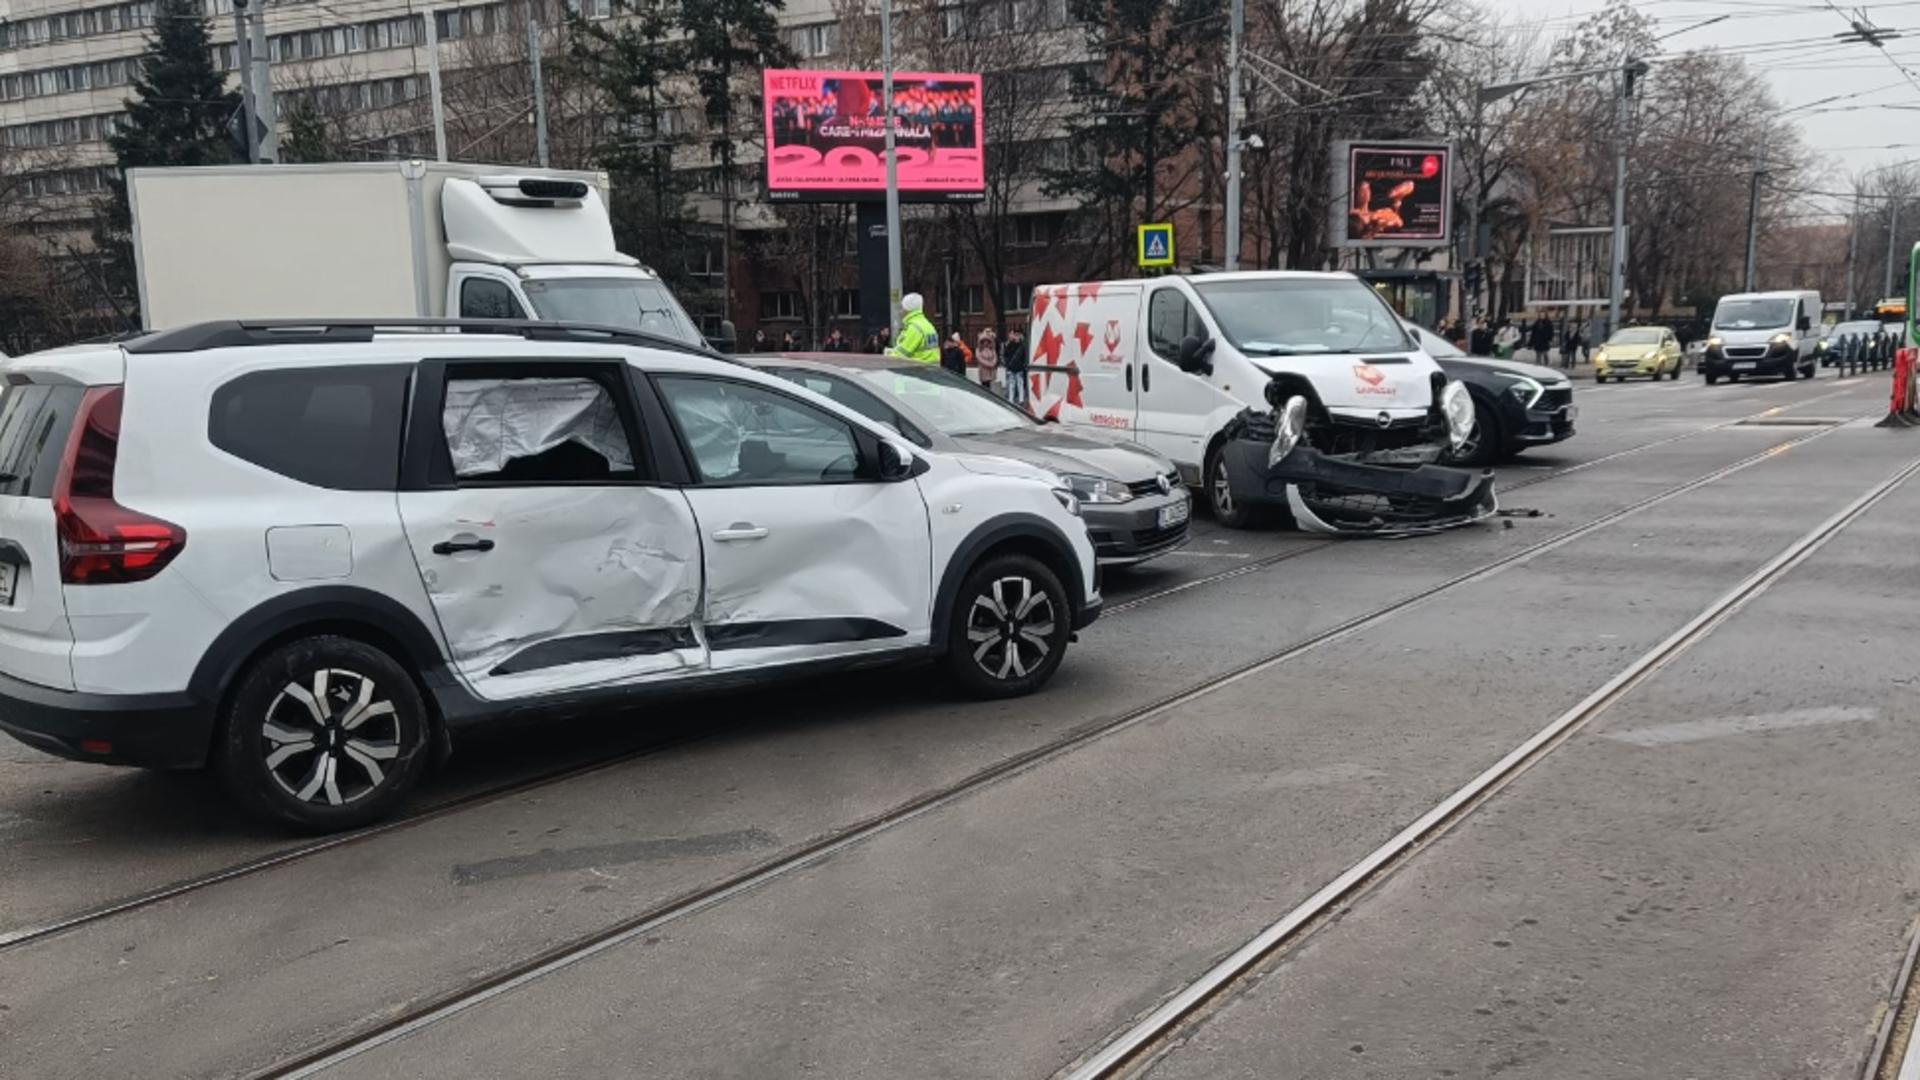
1515,405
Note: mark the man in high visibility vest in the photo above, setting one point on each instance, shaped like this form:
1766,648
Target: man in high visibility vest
918,340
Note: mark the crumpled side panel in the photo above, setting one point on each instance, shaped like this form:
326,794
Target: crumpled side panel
490,422
566,561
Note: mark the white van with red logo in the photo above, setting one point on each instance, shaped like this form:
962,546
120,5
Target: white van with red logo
1269,389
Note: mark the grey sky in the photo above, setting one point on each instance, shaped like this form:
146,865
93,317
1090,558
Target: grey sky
1792,43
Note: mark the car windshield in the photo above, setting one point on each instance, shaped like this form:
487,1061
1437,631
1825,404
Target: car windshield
1754,314
951,404
1635,336
1295,316
631,303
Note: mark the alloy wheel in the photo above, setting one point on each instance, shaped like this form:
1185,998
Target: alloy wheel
1010,626
329,742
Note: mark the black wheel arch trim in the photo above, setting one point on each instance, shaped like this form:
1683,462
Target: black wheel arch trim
317,606
990,534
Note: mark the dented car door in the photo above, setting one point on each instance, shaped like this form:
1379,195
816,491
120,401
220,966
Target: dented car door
553,559
808,556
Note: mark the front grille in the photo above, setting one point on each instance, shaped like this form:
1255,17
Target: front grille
1148,539
1152,487
1346,435
1555,399
1745,352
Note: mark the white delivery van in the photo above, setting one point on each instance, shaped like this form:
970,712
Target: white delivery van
1766,333
403,239
1270,389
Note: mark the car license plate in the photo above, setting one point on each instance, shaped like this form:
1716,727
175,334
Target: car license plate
8,572
1746,365
1169,515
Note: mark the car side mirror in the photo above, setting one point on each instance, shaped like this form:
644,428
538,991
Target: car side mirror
897,463
1805,324
1196,355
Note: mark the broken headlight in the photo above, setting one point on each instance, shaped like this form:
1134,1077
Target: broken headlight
1289,424
1457,405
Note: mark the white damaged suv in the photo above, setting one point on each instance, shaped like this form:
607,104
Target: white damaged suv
309,555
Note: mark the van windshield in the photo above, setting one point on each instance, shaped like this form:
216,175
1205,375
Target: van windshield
1302,316
1754,314
631,303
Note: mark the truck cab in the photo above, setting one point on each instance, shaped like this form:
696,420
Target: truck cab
1275,391
525,247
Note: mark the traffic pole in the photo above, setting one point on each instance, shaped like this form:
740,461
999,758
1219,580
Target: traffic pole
893,173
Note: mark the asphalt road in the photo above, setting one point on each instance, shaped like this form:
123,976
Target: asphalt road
1712,878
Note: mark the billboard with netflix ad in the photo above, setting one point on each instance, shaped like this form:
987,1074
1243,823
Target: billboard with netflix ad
1395,194
826,136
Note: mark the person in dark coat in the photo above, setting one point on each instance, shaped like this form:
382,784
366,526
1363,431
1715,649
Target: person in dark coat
1013,357
1481,342
1540,339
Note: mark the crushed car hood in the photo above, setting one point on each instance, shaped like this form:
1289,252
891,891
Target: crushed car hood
1379,381
1056,449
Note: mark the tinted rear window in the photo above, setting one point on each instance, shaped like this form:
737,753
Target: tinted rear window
33,432
332,427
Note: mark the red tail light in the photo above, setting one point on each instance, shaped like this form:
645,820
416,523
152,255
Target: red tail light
102,542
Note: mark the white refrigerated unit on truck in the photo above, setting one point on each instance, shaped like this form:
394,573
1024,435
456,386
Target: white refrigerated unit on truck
402,240
1272,390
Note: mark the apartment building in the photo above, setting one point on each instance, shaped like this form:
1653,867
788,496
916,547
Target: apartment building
66,67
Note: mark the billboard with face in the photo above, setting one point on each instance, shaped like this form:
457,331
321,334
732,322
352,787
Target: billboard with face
1397,195
826,136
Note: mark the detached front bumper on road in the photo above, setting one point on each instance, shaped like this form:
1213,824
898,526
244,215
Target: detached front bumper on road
1342,495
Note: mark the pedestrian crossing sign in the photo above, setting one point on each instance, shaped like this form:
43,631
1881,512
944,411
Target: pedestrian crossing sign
1156,244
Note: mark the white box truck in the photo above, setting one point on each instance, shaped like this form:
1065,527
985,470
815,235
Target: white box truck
403,239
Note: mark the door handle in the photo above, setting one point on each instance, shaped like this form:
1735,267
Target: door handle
1146,378
740,530
448,547
1129,376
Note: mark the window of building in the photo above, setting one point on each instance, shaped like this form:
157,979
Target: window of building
846,304
973,300
781,305
1017,299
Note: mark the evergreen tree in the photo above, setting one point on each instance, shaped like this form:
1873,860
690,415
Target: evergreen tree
632,62
179,117
306,142
726,41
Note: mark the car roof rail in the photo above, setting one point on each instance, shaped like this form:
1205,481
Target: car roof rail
234,333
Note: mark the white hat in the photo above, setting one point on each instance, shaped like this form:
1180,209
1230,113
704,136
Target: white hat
912,302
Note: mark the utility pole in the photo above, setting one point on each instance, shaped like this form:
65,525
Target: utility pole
539,92
263,107
1473,199
243,41
1753,219
1853,249
1893,241
433,85
1235,111
893,170
1616,294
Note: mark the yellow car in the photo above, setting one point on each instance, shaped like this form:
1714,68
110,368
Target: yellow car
1652,351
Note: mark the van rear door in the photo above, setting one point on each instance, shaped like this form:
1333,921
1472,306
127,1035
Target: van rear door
36,640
